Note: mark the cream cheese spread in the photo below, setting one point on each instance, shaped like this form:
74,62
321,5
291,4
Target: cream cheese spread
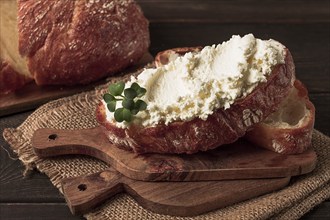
199,83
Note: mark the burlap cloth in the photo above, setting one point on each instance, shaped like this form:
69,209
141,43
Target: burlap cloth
77,112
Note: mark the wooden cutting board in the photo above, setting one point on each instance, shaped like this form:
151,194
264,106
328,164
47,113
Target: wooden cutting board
240,160
172,198
228,166
32,96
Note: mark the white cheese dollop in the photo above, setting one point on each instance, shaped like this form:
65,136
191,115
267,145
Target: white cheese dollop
199,83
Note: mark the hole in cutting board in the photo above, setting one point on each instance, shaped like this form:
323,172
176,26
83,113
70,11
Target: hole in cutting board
82,187
52,137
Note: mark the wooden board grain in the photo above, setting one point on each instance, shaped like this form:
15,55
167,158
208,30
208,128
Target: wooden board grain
240,160
171,198
32,96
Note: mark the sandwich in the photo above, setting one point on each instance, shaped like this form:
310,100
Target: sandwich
198,99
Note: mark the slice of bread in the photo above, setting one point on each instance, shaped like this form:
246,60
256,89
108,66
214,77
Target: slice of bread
289,129
222,127
286,131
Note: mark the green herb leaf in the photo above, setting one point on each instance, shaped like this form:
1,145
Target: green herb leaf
127,115
122,114
116,88
135,86
128,104
141,91
140,105
130,93
134,111
119,115
112,106
108,98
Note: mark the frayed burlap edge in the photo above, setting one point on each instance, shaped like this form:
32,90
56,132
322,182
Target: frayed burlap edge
77,112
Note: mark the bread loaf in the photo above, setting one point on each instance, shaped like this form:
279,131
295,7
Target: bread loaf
222,127
72,42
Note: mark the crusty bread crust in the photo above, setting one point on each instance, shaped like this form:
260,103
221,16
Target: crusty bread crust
76,42
222,127
10,79
282,137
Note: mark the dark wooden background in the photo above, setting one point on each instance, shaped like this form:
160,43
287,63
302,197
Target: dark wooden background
303,26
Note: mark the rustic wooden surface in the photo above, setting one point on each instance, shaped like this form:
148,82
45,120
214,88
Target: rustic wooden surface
240,160
303,26
171,198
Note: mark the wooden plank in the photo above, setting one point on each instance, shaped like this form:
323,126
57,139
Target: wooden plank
322,116
320,212
55,211
36,211
13,186
311,56
241,11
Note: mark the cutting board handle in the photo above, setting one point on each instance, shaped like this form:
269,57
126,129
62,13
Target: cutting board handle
49,142
87,192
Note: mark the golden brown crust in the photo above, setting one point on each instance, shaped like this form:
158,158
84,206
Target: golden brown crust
11,80
222,127
76,42
285,139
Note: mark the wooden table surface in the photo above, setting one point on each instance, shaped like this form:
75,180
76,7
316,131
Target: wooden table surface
303,26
